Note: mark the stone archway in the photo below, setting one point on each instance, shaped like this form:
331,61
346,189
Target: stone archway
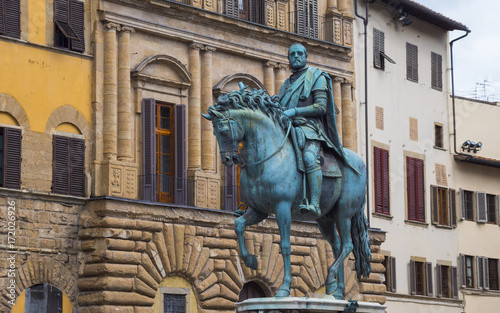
39,271
10,105
68,114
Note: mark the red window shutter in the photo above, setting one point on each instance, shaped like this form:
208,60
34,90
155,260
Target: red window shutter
385,181
148,149
413,278
12,158
60,164
411,190
11,18
76,20
392,261
77,167
428,278
454,282
420,189
377,161
180,155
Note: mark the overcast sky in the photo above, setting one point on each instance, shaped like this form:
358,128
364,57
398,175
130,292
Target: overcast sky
476,58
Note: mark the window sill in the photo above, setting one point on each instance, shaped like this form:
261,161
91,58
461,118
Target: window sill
443,226
440,148
417,223
48,48
483,292
382,216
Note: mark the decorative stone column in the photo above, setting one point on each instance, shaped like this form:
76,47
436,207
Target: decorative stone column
269,82
207,137
332,4
194,118
124,98
110,92
337,98
280,76
342,5
347,117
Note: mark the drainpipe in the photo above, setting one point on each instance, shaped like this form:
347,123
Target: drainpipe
365,23
453,93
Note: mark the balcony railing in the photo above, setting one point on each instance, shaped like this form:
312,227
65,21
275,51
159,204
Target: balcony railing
168,189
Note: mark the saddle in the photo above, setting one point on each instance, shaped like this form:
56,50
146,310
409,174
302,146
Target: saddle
329,166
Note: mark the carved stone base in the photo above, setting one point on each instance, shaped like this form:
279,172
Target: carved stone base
303,305
119,179
207,190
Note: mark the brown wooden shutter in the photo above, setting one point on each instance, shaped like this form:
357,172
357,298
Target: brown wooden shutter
452,203
76,18
454,282
232,8
378,46
435,205
60,165
313,7
12,18
77,167
230,188
301,16
2,18
62,18
392,261
180,155
439,283
377,176
385,181
428,278
12,158
498,210
148,149
413,278
481,207
257,11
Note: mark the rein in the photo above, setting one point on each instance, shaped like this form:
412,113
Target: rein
275,152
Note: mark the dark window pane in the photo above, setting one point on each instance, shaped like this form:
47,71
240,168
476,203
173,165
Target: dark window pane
166,161
468,198
173,303
165,145
165,123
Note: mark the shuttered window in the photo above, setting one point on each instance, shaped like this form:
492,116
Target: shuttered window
415,189
467,271
10,157
481,207
411,62
436,71
307,18
251,10
69,25
390,273
232,8
10,18
491,208
381,180
68,166
443,206
467,199
164,170
419,278
493,273
378,47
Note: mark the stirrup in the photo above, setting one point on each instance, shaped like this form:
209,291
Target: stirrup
310,208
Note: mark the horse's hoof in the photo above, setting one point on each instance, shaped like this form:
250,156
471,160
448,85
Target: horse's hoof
282,292
338,294
251,262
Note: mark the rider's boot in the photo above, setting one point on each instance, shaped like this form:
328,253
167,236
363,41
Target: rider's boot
315,180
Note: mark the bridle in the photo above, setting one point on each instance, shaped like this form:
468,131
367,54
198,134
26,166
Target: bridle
234,153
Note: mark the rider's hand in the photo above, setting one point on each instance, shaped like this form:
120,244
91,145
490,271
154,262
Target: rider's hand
290,112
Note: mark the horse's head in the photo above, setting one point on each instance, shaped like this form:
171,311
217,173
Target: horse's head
229,133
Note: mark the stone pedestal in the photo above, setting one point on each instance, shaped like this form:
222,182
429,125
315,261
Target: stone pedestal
303,305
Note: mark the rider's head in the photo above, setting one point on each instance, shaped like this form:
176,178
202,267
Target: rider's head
297,56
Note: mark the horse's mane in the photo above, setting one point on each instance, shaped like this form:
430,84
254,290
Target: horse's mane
254,99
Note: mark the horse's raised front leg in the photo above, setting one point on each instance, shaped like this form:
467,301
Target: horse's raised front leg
284,219
333,284
251,217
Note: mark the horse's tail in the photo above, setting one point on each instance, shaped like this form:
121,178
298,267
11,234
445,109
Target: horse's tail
361,244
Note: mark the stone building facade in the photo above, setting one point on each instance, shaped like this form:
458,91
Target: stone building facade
138,218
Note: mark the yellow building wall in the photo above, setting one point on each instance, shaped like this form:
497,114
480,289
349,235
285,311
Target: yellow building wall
21,302
42,80
176,282
37,21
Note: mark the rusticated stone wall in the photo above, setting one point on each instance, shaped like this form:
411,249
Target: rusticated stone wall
129,248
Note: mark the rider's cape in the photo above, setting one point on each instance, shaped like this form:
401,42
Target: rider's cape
301,90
